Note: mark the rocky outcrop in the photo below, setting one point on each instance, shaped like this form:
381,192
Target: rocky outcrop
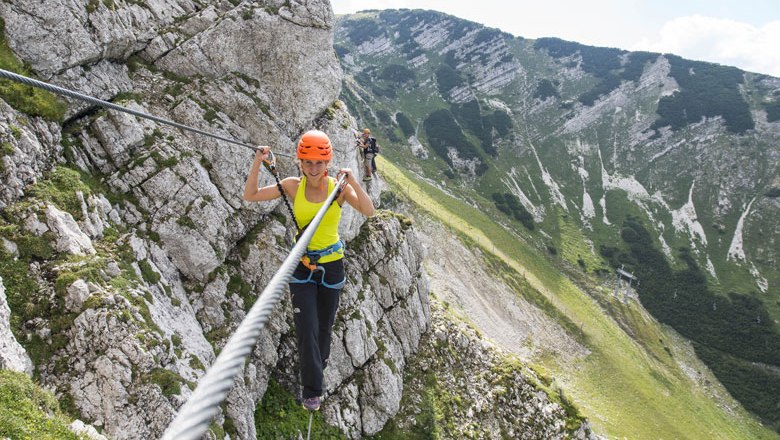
471,379
382,315
12,355
28,147
147,269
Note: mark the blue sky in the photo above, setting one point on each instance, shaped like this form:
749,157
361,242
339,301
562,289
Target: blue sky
742,33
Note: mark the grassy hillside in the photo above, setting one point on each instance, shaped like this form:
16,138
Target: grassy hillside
643,386
567,145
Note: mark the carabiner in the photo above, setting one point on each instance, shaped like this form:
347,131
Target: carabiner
270,163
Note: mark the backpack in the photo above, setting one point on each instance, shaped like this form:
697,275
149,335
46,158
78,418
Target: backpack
372,146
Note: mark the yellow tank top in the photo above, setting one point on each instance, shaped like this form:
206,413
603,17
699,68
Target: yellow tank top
327,233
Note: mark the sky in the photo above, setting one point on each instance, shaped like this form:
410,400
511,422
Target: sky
741,33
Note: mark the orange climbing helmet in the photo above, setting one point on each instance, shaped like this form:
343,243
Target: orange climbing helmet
366,131
315,145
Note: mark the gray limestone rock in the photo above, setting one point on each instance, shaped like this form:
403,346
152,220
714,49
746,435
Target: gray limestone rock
70,238
30,146
77,293
12,355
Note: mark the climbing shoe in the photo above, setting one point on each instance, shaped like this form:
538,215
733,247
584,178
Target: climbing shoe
367,178
312,403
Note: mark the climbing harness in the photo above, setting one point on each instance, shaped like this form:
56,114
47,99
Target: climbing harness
99,102
310,258
194,416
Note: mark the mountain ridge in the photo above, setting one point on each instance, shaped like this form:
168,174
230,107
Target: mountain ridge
128,256
597,138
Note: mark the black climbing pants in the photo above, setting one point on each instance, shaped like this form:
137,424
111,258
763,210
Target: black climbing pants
314,311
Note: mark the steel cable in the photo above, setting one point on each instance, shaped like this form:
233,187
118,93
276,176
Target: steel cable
203,404
99,102
194,416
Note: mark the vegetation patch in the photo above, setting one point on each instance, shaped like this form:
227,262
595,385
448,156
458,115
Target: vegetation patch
772,111
706,90
546,89
6,149
731,332
168,381
510,205
237,285
29,412
405,124
364,29
30,100
448,78
397,73
150,275
278,415
20,289
60,188
443,133
603,63
75,268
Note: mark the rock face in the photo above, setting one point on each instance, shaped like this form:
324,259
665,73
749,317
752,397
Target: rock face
145,275
478,382
29,147
12,355
383,313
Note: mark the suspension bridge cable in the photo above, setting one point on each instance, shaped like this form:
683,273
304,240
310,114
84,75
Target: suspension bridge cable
99,102
195,415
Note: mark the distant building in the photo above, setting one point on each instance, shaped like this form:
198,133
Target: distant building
624,283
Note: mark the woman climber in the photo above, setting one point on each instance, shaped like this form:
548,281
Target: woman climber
319,277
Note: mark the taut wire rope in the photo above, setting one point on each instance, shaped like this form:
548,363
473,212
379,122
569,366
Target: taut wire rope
99,102
194,416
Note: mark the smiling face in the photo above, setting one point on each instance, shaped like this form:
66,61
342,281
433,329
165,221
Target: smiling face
314,169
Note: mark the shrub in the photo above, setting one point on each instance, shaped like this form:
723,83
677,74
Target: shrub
443,132
706,90
545,89
448,78
406,125
772,111
509,204
397,73
364,29
60,189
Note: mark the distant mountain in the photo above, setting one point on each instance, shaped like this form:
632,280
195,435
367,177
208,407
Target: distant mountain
602,159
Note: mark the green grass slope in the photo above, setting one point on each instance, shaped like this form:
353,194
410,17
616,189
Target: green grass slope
641,381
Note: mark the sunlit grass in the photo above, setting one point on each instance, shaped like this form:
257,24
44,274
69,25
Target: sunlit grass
627,387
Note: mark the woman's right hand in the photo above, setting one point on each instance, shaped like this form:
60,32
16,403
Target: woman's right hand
262,152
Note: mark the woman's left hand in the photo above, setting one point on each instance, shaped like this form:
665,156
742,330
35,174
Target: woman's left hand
354,194
348,172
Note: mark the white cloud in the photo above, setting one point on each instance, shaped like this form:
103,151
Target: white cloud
719,40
